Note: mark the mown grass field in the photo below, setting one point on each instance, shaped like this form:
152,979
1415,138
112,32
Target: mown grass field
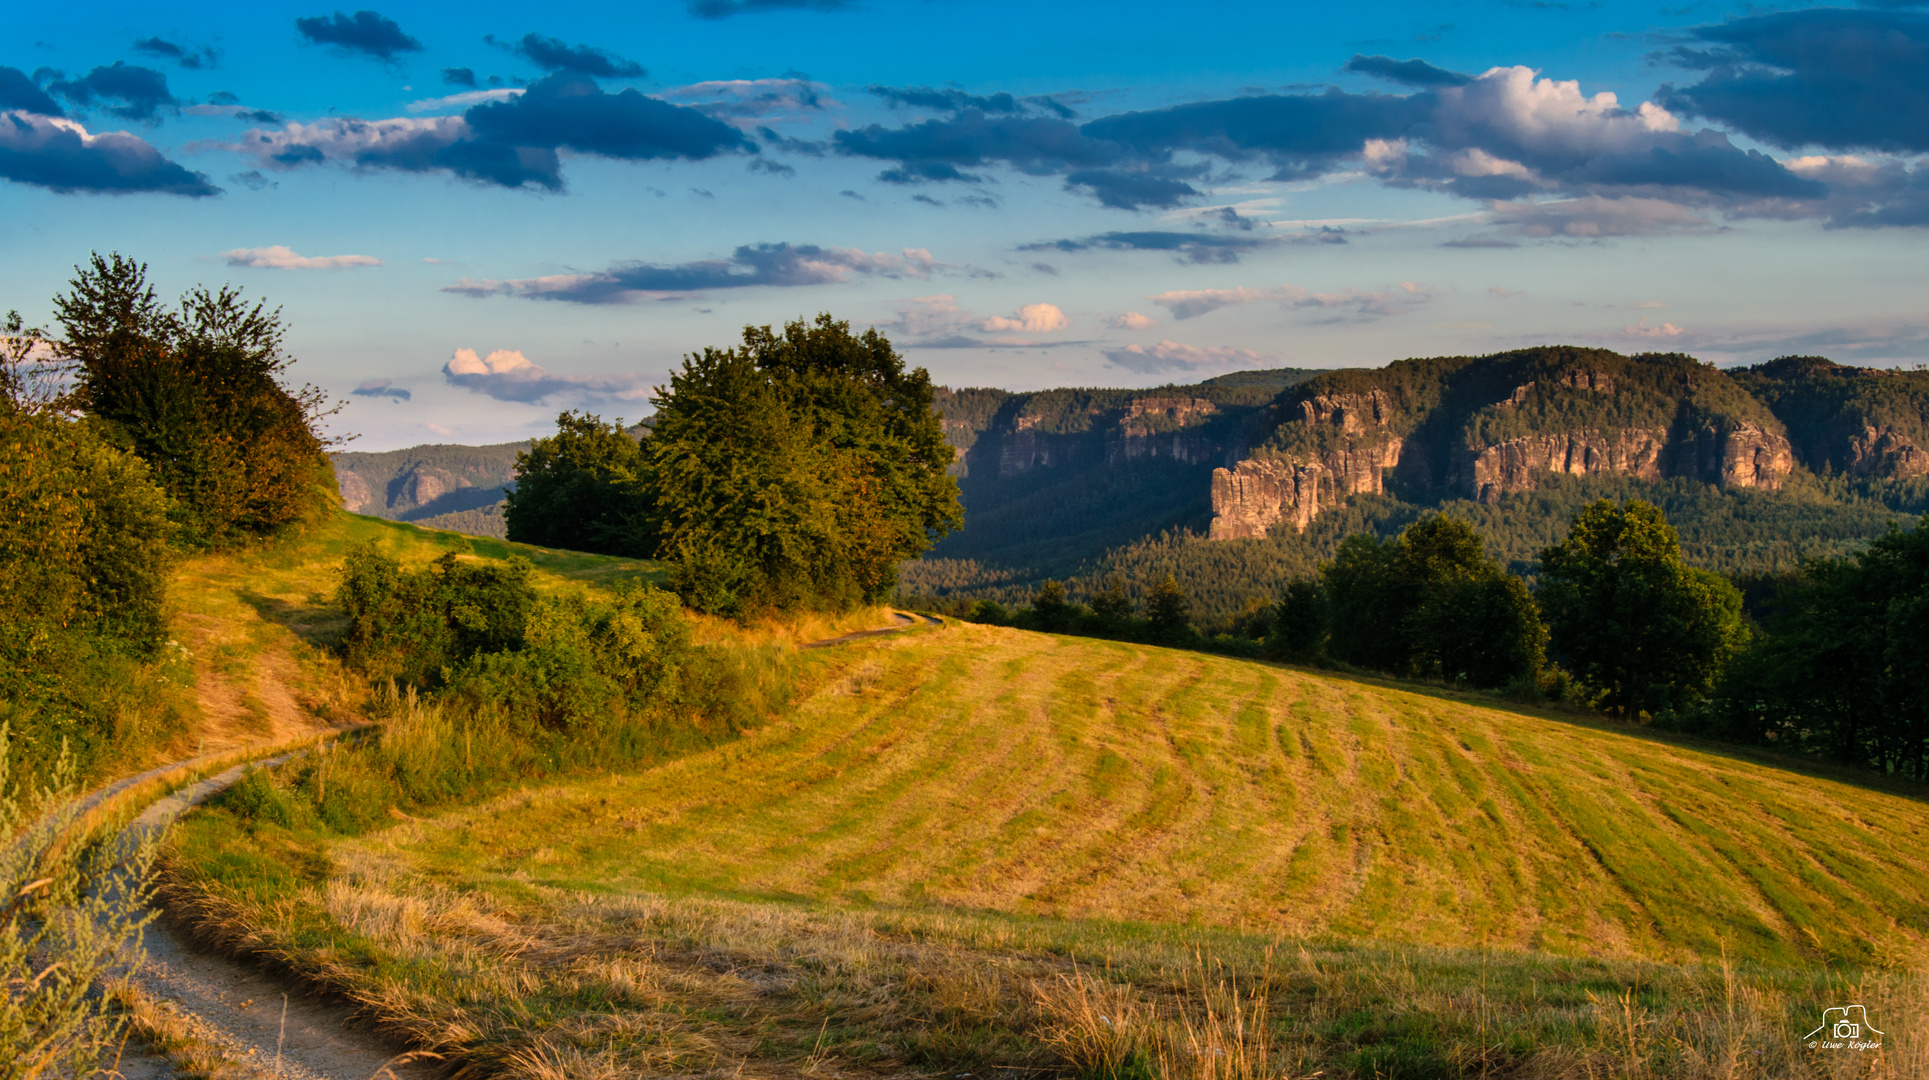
964,846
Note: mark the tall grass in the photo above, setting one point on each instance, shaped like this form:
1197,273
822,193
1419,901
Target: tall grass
70,911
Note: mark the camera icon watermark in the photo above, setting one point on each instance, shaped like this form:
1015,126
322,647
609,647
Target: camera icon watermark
1845,1027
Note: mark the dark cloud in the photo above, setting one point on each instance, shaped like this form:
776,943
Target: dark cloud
224,97
1480,242
939,150
772,168
260,116
953,101
1293,131
365,32
849,194
180,54
926,200
36,150
779,265
252,180
1045,268
1829,77
141,92
553,55
569,111
19,92
459,77
1414,73
381,388
1195,247
724,9
512,143
1129,190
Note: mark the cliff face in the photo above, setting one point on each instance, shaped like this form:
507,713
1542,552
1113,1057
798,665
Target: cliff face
1481,427
424,481
1861,422
1513,465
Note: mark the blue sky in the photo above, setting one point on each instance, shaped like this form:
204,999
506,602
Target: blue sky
475,218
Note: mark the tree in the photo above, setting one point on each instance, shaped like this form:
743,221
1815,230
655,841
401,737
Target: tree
1629,617
1840,670
1112,609
1430,602
1168,610
1299,622
583,488
197,393
797,470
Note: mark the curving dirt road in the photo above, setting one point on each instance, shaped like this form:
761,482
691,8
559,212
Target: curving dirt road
244,1022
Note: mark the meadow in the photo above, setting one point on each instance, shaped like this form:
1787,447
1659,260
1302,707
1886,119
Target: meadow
985,850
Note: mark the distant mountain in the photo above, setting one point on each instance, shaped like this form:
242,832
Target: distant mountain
1053,477
1758,468
1237,484
439,486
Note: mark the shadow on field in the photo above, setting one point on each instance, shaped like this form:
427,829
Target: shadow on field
1852,776
318,622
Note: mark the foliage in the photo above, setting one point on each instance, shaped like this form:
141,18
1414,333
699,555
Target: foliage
1838,416
796,471
1430,602
1629,617
582,488
414,627
1167,609
1840,669
197,393
84,563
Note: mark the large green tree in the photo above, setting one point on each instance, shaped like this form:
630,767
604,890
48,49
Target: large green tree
1429,602
1629,617
197,392
582,488
1840,669
795,470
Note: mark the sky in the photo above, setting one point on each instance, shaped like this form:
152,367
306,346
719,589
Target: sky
476,217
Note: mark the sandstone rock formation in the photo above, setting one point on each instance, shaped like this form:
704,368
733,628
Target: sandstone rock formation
1512,465
1256,495
1885,452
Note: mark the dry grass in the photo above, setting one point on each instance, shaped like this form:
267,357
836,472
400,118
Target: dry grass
982,851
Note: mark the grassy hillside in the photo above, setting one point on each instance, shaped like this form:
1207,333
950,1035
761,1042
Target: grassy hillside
964,846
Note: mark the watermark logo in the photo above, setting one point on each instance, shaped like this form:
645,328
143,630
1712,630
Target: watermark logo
1845,1027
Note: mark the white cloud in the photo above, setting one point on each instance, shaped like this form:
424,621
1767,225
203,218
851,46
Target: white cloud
1030,319
1191,303
1131,320
508,375
347,141
1643,330
1549,116
283,258
463,100
747,102
1174,356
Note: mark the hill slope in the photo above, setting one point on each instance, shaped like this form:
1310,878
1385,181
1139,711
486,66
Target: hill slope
999,770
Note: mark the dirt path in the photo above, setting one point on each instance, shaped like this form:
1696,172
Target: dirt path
263,1025
258,1023
905,621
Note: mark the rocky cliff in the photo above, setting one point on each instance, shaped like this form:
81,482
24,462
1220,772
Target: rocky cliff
424,482
1482,427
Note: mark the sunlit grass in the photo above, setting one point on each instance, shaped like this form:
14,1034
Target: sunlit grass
921,866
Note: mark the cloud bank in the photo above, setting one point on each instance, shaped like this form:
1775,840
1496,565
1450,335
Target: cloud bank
508,375
780,265
282,258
